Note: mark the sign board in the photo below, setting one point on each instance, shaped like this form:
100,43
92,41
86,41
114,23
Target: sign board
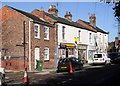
76,39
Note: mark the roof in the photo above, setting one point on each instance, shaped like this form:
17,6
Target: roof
67,22
97,28
35,19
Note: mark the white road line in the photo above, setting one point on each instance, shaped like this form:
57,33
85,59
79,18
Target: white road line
65,81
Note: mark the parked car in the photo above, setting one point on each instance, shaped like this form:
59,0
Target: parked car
101,58
64,64
114,57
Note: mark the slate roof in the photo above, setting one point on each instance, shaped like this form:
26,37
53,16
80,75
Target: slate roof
67,22
35,19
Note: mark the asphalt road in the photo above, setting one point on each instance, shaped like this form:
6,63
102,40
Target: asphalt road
93,75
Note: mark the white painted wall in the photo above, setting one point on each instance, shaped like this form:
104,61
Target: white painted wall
102,40
71,32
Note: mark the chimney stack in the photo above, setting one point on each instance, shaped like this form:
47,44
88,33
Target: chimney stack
42,13
53,10
68,16
92,20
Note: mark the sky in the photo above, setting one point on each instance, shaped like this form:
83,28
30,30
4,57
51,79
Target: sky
80,10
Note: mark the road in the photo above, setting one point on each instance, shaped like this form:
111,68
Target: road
93,75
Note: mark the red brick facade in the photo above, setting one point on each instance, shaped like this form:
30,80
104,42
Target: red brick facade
12,39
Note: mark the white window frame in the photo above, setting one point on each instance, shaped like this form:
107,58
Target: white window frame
46,54
38,31
46,32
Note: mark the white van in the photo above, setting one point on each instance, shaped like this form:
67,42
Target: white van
101,58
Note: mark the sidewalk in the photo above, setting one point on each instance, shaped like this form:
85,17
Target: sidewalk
48,70
17,76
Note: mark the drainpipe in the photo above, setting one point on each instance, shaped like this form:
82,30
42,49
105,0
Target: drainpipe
29,46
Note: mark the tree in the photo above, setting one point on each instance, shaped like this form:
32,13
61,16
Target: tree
117,10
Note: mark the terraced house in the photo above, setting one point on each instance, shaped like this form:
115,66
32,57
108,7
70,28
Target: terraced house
25,39
40,35
97,42
78,38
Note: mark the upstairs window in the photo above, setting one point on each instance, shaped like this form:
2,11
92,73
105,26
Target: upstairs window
37,31
90,37
63,32
79,35
46,33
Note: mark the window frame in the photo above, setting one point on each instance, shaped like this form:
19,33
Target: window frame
90,37
46,55
63,32
46,32
38,31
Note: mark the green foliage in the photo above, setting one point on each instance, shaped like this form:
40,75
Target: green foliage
117,10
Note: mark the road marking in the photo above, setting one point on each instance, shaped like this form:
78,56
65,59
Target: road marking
65,81
98,66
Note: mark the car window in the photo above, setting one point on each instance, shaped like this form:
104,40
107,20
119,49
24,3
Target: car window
98,56
63,60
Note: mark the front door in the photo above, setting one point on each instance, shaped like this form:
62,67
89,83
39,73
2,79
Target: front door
37,55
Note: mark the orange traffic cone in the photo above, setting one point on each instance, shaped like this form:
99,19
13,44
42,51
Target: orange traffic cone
71,70
25,77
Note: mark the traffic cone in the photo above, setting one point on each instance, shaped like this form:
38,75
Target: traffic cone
25,77
71,70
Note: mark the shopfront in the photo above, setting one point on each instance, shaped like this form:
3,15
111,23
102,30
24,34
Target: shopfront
66,50
82,52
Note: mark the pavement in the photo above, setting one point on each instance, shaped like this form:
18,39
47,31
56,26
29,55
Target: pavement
17,76
43,70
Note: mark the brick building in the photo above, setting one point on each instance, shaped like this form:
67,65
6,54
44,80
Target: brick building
25,39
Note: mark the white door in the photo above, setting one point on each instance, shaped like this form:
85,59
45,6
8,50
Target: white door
37,55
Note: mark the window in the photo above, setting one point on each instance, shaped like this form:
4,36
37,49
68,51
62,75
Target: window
46,53
90,37
71,51
37,30
46,33
63,32
79,35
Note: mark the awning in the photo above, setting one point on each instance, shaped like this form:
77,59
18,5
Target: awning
67,45
70,45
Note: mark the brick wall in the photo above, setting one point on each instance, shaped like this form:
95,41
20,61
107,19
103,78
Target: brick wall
53,37
12,35
12,31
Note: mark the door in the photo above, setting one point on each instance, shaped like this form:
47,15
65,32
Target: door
37,55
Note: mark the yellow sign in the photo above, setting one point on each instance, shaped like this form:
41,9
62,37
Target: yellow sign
76,39
70,46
